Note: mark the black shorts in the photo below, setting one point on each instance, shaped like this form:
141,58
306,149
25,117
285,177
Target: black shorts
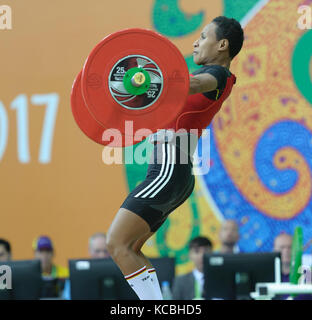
168,183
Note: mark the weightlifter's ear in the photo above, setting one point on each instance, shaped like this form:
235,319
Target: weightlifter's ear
223,45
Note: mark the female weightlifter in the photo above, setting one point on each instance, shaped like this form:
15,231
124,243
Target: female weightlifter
169,182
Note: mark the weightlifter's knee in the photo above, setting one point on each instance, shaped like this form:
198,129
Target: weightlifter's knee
117,247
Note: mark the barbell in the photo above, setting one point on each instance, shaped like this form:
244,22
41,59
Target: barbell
132,75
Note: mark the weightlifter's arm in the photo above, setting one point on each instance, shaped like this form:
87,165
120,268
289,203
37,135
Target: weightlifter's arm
204,82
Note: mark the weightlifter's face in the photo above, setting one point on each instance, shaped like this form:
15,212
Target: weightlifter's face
206,47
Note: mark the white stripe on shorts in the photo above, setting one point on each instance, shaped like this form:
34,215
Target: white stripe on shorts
158,182
169,177
163,164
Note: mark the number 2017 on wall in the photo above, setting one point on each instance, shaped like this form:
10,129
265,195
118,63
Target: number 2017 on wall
20,104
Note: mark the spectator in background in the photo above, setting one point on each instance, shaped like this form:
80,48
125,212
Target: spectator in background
307,257
190,285
229,236
53,275
5,250
283,244
97,250
44,251
97,246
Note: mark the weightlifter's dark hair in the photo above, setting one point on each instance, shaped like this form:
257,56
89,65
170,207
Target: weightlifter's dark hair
230,29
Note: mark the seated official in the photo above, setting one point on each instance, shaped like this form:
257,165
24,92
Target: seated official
53,275
229,237
190,286
283,244
5,250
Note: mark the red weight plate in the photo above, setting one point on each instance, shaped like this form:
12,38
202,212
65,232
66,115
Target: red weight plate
105,95
86,122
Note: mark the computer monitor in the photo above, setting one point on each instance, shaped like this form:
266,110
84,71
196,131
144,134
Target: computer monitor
26,280
101,279
98,279
165,268
234,276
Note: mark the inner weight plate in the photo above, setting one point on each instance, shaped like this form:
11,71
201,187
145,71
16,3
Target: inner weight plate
122,96
90,126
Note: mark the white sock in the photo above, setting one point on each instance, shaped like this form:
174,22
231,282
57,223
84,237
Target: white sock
154,280
141,284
